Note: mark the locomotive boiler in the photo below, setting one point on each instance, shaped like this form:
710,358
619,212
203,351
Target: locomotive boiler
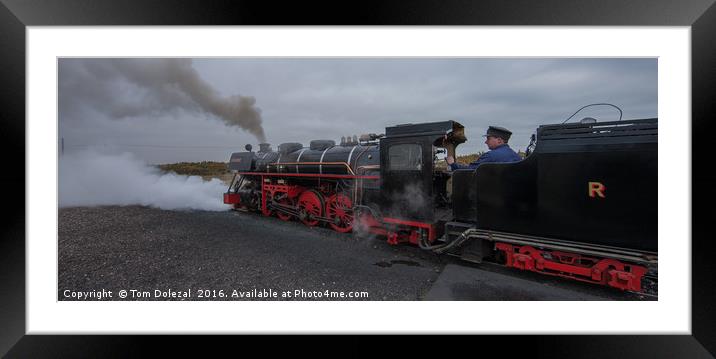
581,205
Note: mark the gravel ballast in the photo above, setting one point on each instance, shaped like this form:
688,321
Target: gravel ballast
220,254
155,254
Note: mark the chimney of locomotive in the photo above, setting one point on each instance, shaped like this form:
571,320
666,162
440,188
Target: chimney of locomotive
264,147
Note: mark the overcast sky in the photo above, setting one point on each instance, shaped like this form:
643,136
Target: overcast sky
172,110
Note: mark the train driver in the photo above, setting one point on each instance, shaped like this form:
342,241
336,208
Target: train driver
496,140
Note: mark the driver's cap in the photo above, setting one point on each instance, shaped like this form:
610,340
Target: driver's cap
500,132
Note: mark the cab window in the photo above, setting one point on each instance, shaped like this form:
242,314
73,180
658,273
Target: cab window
405,157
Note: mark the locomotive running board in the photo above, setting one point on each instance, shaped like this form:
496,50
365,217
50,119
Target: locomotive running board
567,246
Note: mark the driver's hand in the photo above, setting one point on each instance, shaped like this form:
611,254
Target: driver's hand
449,160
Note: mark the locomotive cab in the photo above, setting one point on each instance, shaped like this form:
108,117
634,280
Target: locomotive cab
414,189
582,204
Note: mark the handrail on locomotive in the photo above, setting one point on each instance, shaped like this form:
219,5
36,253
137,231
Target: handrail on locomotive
581,205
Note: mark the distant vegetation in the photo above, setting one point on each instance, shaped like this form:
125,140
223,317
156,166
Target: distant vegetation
204,168
465,159
474,156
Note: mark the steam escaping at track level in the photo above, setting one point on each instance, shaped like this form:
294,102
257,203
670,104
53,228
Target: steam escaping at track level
92,179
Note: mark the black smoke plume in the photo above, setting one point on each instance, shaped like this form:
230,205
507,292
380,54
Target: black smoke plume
121,88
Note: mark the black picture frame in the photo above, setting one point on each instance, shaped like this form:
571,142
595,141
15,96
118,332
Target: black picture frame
700,15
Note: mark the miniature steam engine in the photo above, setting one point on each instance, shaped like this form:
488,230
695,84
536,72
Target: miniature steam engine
581,205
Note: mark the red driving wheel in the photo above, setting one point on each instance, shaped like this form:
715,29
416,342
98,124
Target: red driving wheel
339,208
268,212
310,205
281,215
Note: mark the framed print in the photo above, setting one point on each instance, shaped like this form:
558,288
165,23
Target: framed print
102,81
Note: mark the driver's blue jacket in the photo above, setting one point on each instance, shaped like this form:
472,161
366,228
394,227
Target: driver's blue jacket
502,153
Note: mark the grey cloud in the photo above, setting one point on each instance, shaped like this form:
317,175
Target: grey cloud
124,88
310,98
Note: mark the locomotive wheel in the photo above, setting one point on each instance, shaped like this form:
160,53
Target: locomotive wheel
268,212
339,209
285,216
310,205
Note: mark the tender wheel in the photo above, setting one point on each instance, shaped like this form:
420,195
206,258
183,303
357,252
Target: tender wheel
339,208
285,216
310,205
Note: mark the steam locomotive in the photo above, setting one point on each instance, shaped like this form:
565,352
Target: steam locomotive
582,204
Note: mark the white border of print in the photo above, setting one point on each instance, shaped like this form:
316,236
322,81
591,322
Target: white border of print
670,314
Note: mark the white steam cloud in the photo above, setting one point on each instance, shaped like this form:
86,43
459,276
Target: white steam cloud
92,179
